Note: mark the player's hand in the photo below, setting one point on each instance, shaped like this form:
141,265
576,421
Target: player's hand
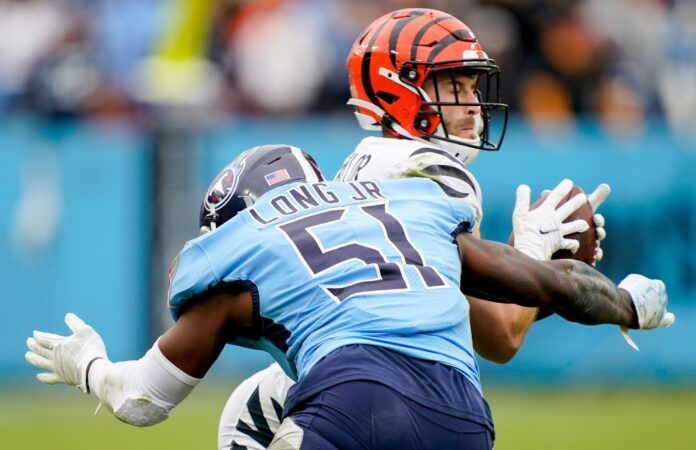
65,358
595,199
650,300
539,233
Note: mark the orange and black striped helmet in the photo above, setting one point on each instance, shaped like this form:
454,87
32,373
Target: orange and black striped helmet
391,60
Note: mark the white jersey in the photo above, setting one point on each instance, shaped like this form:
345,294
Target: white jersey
252,414
378,158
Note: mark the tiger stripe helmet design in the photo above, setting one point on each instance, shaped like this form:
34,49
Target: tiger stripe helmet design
389,63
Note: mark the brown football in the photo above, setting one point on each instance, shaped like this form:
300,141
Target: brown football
588,239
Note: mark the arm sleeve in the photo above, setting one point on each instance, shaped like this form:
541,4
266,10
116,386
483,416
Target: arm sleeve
142,392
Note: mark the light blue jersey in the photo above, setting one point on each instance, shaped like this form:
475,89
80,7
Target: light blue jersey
332,264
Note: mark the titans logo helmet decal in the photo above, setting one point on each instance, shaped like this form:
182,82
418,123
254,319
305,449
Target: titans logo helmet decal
224,186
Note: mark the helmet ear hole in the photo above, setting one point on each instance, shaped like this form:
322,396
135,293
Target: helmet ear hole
408,74
422,123
387,97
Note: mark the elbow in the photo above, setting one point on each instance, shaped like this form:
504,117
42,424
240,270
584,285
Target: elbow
503,357
509,350
504,349
141,412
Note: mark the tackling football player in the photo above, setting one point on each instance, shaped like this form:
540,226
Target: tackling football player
357,290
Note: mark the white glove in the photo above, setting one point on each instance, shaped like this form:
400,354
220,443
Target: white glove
539,233
66,357
595,199
650,300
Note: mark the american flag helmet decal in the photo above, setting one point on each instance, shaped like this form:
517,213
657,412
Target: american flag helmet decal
277,176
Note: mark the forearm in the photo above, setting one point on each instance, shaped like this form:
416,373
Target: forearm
142,392
574,290
593,299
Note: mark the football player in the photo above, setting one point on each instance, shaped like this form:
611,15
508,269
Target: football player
357,290
420,77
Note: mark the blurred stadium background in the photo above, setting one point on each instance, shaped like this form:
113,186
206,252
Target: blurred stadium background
115,114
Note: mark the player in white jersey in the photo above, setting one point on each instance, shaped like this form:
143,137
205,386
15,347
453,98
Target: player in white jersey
252,414
382,158
417,75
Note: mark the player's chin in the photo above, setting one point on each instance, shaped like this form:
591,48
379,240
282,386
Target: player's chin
469,135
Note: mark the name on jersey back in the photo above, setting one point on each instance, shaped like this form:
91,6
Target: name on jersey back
305,197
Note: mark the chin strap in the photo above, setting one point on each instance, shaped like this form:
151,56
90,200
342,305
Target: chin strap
213,226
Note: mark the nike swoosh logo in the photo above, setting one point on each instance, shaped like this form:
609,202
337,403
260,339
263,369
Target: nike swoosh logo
547,231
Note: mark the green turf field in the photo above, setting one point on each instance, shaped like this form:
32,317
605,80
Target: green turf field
59,419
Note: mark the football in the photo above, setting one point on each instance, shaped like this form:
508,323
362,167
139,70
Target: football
587,239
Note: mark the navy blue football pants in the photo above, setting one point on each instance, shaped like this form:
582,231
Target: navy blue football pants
369,415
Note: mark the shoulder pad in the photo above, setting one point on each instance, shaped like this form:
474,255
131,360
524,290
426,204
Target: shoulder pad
445,170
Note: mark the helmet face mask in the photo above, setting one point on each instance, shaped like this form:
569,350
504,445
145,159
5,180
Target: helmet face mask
250,175
490,111
390,63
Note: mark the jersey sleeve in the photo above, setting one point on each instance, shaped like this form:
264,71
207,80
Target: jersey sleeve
370,166
189,275
461,215
449,173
